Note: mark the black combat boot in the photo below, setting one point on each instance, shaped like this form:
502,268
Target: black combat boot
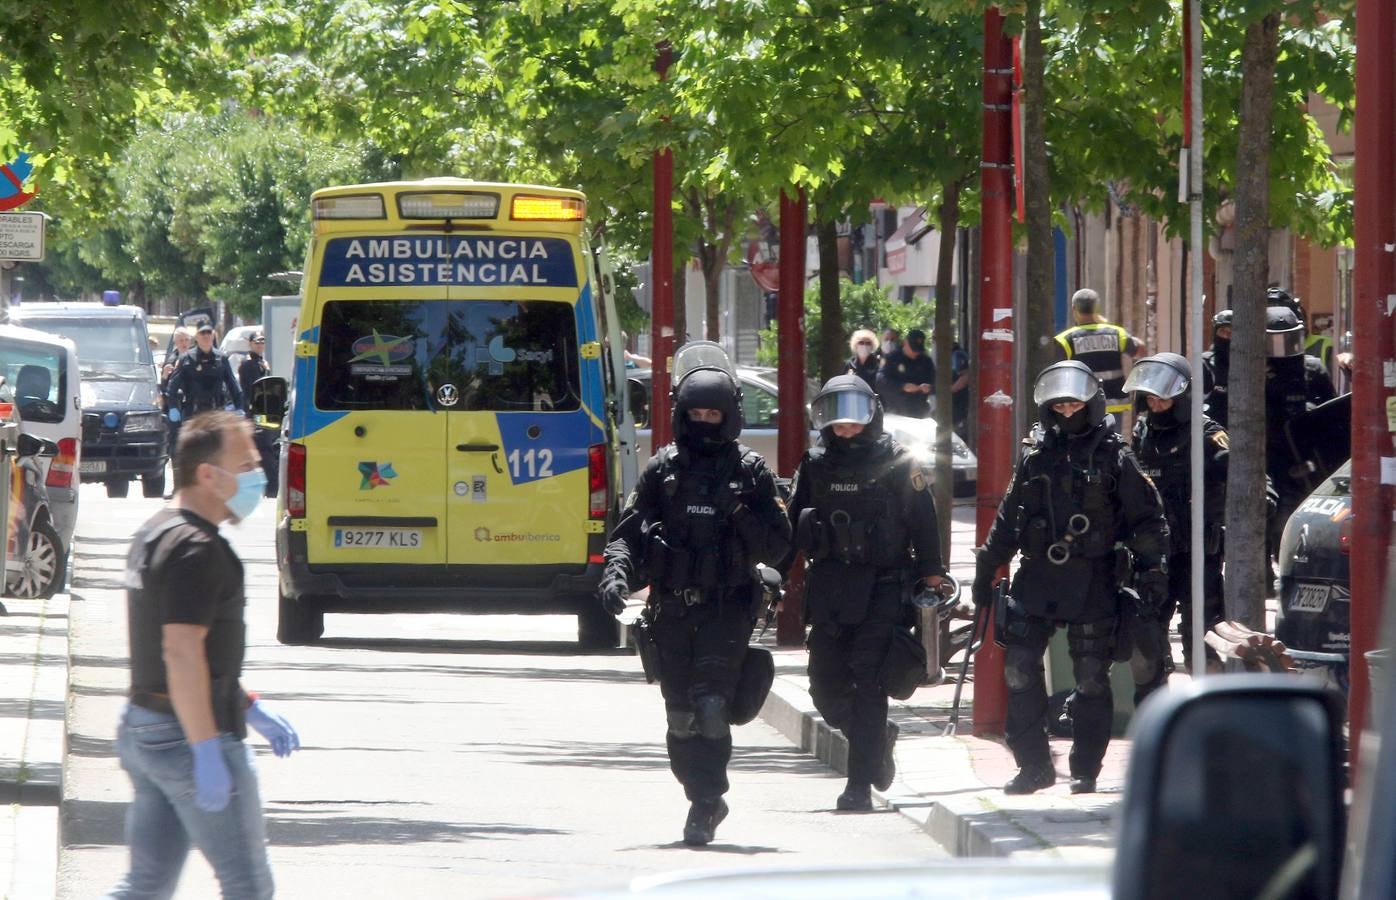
887,766
856,797
1031,779
1082,784
703,818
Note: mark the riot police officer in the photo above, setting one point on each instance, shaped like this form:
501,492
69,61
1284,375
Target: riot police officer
1162,389
1294,384
1218,363
1077,492
704,513
865,519
203,379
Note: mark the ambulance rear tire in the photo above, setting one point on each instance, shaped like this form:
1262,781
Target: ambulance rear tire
596,628
299,621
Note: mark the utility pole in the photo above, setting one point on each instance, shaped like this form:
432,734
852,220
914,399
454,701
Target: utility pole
792,434
1192,181
662,274
1374,292
994,353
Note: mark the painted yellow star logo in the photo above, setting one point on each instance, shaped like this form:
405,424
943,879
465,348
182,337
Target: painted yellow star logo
381,348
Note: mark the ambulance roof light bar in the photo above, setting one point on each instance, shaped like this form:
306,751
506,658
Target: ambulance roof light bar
353,206
531,208
447,205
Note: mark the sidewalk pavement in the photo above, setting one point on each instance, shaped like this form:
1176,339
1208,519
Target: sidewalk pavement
34,672
952,786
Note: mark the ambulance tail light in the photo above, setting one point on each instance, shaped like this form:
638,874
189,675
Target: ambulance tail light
527,208
295,480
64,465
596,470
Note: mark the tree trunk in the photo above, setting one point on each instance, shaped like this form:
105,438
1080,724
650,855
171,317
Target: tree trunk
948,222
713,264
832,346
1245,505
680,302
1040,280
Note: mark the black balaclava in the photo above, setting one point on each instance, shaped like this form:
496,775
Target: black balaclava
1074,425
707,389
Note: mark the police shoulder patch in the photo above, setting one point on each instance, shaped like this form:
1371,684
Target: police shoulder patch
918,478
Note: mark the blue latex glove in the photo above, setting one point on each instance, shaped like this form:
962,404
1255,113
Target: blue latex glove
213,783
274,728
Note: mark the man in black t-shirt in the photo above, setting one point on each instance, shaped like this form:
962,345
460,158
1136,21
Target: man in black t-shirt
181,735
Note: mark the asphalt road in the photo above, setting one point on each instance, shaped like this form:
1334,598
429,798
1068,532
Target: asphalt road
443,756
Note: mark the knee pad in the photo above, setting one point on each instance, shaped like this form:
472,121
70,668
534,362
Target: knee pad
710,717
1092,676
681,723
1022,669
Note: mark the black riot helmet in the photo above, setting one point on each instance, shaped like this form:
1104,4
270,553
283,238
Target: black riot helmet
1284,333
1222,320
1071,380
847,399
1278,296
1167,376
704,378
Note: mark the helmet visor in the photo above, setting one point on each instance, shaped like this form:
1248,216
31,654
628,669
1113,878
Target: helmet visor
851,407
1064,383
1284,343
701,355
1156,377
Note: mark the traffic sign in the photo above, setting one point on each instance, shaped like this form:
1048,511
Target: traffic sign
22,236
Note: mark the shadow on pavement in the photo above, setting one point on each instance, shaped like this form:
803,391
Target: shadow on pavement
734,849
28,708
534,674
656,756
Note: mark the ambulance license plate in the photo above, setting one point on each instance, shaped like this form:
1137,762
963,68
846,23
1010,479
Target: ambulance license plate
384,538
1309,598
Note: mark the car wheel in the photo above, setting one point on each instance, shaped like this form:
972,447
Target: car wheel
153,486
596,628
43,565
118,487
299,620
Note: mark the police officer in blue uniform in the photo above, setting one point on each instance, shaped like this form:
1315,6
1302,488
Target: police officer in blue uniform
1077,492
203,379
704,513
866,522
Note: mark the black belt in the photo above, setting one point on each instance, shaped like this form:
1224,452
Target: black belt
155,702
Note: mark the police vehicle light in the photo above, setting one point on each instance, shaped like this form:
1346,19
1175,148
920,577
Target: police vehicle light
548,209
448,205
358,206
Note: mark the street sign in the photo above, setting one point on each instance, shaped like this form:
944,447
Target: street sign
22,236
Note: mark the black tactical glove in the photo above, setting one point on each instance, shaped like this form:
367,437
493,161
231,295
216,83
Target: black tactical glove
1152,587
983,590
613,591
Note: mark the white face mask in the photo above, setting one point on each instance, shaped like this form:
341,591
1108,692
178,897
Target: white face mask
863,351
888,346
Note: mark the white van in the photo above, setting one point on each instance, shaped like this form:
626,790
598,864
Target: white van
42,383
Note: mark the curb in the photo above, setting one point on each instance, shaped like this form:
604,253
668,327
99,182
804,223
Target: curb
936,786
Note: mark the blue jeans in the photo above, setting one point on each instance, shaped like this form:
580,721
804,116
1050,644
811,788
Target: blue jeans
163,821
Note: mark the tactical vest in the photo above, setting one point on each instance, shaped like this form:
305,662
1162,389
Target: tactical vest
1068,501
697,546
1101,347
855,511
204,387
224,647
1164,456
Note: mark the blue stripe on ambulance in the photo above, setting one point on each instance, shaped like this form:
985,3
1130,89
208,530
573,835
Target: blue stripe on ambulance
306,419
563,435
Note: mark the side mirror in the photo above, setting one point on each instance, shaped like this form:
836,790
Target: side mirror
268,400
639,397
1235,789
29,445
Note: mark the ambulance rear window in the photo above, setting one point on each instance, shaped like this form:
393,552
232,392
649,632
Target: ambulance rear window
448,356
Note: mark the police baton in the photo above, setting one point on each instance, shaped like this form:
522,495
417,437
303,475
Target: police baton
976,640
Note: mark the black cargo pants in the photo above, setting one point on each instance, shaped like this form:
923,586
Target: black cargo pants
701,647
1092,709
844,665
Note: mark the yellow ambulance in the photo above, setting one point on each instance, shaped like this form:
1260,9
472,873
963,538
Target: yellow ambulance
452,440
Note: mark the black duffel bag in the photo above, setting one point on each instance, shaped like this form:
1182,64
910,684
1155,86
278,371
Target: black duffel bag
903,669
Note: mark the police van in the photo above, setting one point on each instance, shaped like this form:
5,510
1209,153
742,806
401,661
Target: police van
454,439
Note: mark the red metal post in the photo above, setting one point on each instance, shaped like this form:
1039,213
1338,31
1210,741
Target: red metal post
662,276
994,355
1374,287
792,434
